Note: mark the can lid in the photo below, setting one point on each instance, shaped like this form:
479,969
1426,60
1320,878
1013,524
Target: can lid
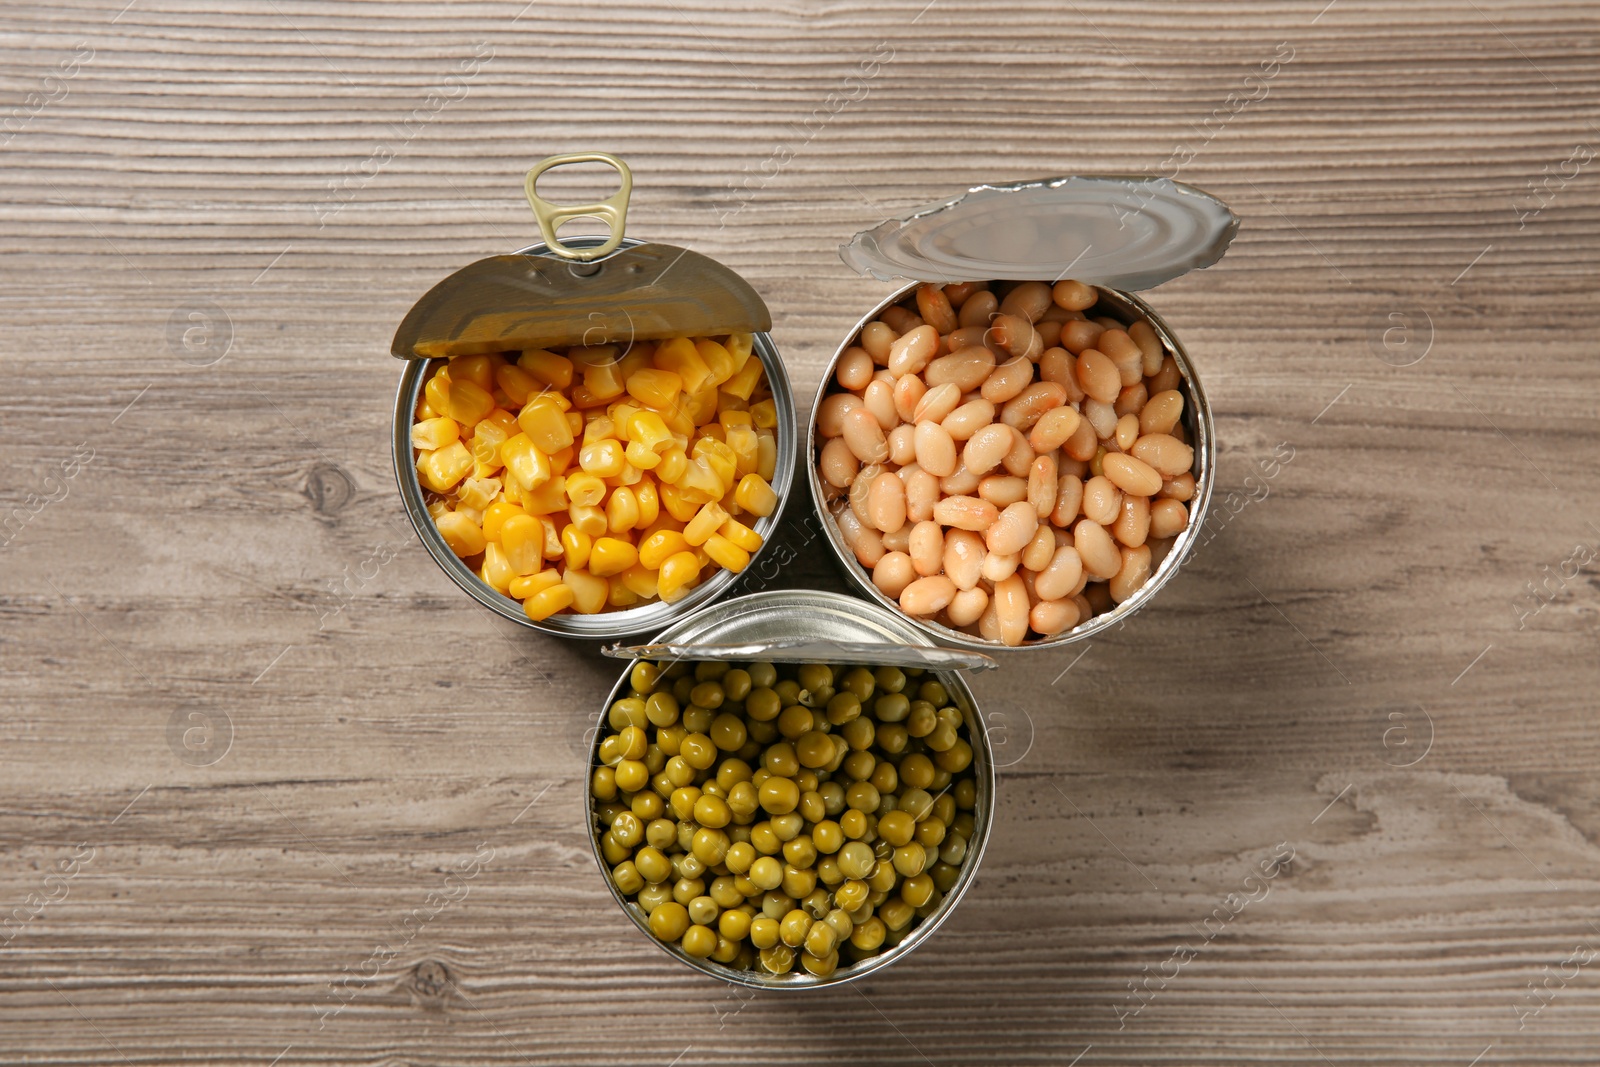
1127,233
816,650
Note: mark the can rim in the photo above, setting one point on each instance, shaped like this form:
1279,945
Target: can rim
1205,456
606,625
896,624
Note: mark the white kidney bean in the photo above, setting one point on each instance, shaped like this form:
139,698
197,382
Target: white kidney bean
886,502
968,605
937,403
966,513
1007,380
1011,610
1013,530
1053,428
1060,576
864,435
1051,617
989,623
1133,524
903,444
927,596
1043,485
861,491
963,557
838,463
1179,488
1103,417
927,548
876,337
1131,401
1126,355
1029,300
901,320
1144,335
898,540
879,399
1076,337
934,448
965,368
1161,412
1098,375
908,393
855,369
922,492
1127,431
1096,548
978,309
893,573
968,419
1028,406
1131,474
1000,565
1041,550
1074,295
1019,458
910,354
1166,378
1167,518
986,448
1069,500
831,413
863,541
934,307
1003,490
962,483
1168,455
1131,575
1102,500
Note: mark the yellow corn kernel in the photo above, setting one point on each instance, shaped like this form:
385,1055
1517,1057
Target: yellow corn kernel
648,429
674,462
442,468
712,431
678,575
437,391
584,400
622,510
701,557
722,459
655,549
611,555
545,603
479,370
767,461
619,412
524,586
423,411
430,434
649,501
552,548
585,488
727,554
729,417
462,534
629,475
467,402
548,499
496,571
704,524
547,367
701,481
495,516
482,471
764,414
603,459
679,356
479,492
620,596
597,427
503,419
524,462
575,546
746,447
522,539
588,518
471,513
641,456
637,357
516,383
744,382
702,404
603,380
588,591
545,424
755,495
741,535
680,422
677,505
739,346
437,508
640,579
655,388
560,461
487,437
716,358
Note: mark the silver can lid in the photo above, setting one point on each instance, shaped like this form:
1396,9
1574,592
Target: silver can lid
1127,233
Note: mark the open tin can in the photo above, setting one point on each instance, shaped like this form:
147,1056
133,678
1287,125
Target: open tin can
1113,235
594,292
806,627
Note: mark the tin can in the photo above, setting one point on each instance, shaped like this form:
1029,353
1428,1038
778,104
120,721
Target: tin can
1145,230
607,625
810,626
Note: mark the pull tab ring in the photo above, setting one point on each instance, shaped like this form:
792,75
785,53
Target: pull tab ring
613,211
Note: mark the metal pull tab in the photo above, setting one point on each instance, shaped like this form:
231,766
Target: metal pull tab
613,211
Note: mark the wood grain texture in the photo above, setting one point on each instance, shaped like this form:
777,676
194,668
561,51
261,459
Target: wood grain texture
1351,667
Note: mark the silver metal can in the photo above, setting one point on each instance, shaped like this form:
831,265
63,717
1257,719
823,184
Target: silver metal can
1196,419
807,626
607,625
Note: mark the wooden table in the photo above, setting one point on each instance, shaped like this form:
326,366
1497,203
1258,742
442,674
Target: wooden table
253,738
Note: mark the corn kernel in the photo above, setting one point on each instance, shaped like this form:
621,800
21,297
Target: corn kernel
674,462
739,346
435,433
479,370
680,357
588,518
701,405
560,461
549,368
495,516
743,383
467,402
764,414
656,548
721,459
516,383
460,533
746,448
620,411
718,360
741,535
641,456
524,462
545,424
597,427
602,378
611,555
547,602
522,539
479,493
524,586
629,475
442,468
702,482
729,417
655,388
622,510
437,508
603,459
585,488
767,455
423,411
676,504
704,524
755,495
649,502
548,499
649,429
636,358
640,579
472,514
678,575
620,596
576,546
487,437
727,554
552,548
588,591
496,571
437,391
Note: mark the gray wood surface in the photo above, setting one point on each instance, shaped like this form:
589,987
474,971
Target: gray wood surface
1352,668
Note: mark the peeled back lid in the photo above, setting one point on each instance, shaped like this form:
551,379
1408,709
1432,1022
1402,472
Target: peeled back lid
1127,233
